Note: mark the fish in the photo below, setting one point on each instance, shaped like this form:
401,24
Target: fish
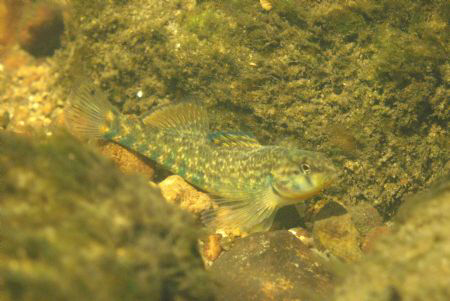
249,182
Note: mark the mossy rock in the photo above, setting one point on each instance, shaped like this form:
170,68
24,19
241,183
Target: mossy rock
411,261
364,81
74,228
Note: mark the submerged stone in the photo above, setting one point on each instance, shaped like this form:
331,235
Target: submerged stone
271,266
342,231
365,82
74,228
411,261
338,235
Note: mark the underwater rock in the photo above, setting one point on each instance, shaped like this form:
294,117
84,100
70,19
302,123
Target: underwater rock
338,235
412,262
365,217
271,266
42,29
364,81
303,235
126,160
177,191
5,23
341,230
28,96
75,228
372,237
211,248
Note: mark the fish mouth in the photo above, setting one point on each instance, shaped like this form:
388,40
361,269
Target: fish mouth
321,182
296,196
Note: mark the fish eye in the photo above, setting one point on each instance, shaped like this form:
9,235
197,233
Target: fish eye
306,168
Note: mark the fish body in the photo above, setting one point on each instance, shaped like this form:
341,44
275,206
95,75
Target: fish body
249,181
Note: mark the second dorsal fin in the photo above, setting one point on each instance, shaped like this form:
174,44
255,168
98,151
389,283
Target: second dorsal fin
183,118
234,139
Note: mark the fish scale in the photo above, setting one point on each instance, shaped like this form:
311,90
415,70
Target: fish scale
250,182
174,152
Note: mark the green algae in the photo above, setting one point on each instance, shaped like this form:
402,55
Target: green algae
409,262
74,228
377,68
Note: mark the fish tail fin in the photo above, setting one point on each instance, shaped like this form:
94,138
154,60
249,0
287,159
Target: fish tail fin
89,114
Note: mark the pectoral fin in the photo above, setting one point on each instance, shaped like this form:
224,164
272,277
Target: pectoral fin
248,215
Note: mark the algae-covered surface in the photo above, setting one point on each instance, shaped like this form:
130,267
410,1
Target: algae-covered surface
366,82
74,228
413,263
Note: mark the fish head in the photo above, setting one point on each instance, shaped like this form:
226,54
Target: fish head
298,174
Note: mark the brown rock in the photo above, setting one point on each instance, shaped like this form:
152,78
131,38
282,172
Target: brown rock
365,217
10,12
4,22
212,247
15,58
41,35
127,161
412,261
338,235
340,229
373,236
271,266
303,235
175,190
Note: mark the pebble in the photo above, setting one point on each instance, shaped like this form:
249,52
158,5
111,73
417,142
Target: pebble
365,217
303,235
344,230
127,161
339,236
29,104
177,191
211,247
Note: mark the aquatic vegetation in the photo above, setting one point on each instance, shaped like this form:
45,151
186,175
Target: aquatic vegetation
73,227
409,262
377,68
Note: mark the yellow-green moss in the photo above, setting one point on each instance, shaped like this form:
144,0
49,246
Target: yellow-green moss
377,67
74,228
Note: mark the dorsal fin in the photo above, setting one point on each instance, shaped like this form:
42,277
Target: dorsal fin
183,118
234,139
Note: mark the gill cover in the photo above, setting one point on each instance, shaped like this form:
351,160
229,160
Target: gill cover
301,175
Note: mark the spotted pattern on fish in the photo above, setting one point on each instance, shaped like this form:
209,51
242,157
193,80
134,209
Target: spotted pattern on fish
249,181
